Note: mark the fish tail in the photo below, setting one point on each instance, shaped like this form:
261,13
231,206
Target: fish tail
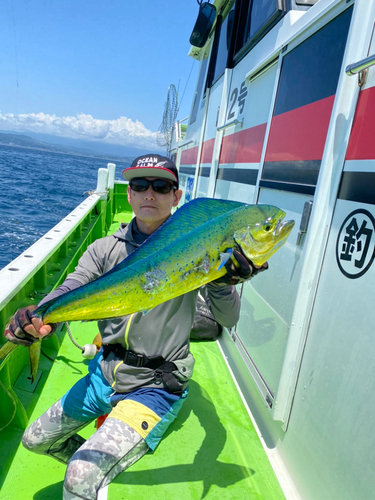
34,356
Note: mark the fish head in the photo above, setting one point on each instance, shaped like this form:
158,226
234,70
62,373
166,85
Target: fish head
264,234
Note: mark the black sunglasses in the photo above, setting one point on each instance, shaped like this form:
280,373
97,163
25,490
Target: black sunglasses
158,185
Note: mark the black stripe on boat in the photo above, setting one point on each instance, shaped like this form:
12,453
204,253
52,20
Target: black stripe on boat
241,175
357,186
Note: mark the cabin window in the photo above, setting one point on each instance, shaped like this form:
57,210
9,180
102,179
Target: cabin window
255,18
303,107
310,72
220,49
262,13
198,92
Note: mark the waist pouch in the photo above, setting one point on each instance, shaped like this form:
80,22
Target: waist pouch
164,371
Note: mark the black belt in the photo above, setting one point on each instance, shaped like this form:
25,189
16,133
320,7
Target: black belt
163,369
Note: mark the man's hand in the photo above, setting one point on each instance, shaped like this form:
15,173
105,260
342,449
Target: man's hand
244,272
24,329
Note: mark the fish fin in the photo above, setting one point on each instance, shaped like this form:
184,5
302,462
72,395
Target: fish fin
98,341
6,349
224,257
145,312
34,356
40,311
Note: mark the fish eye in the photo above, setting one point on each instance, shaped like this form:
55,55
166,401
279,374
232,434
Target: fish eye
267,227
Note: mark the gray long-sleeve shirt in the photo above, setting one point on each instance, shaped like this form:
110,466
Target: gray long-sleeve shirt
163,331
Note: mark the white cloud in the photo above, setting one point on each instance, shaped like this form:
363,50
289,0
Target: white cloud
121,131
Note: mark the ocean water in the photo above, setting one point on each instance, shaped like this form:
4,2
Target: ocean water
37,190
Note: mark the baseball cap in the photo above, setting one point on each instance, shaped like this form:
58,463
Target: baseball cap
152,165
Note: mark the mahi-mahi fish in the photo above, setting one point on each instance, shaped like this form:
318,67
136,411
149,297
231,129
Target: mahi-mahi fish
186,252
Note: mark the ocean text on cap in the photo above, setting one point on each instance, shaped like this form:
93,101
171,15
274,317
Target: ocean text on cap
150,162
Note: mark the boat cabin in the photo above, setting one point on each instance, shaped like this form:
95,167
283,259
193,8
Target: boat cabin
283,115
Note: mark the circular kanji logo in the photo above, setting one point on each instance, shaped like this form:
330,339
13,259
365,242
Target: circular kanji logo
355,246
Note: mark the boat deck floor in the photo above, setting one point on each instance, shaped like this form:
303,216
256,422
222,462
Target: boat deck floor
210,451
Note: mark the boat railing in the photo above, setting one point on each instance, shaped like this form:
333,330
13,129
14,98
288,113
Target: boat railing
357,67
180,129
45,264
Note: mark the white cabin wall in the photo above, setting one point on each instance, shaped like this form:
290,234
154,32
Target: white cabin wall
241,146
209,139
329,443
334,400
190,147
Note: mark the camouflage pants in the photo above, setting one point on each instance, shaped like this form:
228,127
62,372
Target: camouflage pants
92,464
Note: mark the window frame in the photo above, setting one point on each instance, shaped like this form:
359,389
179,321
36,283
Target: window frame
242,20
213,55
200,92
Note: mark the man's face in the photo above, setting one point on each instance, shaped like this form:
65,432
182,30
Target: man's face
151,207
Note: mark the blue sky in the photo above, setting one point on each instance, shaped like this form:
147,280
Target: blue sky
97,69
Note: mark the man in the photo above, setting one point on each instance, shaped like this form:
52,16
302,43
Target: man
141,375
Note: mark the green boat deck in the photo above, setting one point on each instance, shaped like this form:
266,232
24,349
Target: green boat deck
211,451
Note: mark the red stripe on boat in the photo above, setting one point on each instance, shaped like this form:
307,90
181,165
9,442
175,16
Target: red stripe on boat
207,151
189,156
362,143
300,134
244,146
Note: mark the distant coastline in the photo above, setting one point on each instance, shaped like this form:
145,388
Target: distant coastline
26,142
